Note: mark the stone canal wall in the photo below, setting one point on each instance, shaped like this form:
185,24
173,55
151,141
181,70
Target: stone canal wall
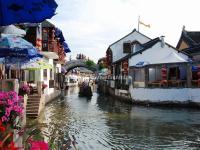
178,97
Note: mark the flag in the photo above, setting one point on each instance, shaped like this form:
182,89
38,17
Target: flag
146,25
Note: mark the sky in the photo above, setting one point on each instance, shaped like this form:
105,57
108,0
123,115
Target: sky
90,26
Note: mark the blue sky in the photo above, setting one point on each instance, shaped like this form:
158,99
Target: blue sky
90,26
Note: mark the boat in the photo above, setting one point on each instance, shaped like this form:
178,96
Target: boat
85,91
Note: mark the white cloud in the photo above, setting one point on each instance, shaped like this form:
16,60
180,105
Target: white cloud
90,26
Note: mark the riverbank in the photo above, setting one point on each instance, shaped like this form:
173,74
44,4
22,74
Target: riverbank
49,98
162,96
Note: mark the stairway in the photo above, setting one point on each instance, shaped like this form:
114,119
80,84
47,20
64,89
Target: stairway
32,107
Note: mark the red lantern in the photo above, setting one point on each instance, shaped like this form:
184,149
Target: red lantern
198,73
164,73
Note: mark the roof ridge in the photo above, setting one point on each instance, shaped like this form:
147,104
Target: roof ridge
134,30
185,33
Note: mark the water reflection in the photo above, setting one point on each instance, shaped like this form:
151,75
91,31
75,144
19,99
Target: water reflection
103,123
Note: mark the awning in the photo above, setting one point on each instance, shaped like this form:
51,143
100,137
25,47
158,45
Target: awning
50,55
141,64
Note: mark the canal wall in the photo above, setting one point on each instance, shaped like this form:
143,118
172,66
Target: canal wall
121,95
173,97
52,96
187,97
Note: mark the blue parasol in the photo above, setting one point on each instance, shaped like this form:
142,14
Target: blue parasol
22,11
16,50
16,47
66,48
59,34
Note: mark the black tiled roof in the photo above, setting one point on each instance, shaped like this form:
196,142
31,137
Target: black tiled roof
147,45
190,37
144,47
195,36
192,50
128,35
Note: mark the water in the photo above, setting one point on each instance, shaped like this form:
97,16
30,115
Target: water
104,124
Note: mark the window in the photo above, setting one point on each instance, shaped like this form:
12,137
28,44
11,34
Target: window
13,74
51,74
31,75
45,35
127,47
136,47
139,75
155,74
195,73
174,73
45,74
45,46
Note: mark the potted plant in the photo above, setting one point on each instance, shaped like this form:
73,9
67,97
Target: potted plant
44,86
24,89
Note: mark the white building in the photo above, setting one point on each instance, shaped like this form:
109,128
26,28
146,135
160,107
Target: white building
160,73
120,51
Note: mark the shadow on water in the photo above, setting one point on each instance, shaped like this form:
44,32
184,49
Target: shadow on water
101,123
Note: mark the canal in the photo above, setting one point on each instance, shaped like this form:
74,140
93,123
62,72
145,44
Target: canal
101,123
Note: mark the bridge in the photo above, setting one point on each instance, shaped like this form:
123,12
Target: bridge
69,65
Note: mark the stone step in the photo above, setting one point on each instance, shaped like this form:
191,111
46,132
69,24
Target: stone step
31,109
32,112
33,99
34,96
31,115
32,106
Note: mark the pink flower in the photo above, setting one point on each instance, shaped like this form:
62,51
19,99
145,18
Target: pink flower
38,145
4,119
8,110
10,102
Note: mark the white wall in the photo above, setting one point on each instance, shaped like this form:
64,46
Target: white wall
157,54
48,90
59,68
160,95
117,48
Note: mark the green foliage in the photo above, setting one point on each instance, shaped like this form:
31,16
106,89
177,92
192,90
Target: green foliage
101,66
90,63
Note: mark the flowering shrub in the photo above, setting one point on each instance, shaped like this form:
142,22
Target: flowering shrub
24,89
10,109
44,86
37,145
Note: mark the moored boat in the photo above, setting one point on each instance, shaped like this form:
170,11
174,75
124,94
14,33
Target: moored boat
85,91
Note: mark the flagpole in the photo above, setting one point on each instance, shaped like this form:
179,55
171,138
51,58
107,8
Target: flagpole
138,23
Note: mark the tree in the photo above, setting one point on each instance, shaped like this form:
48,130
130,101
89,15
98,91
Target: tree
90,63
101,66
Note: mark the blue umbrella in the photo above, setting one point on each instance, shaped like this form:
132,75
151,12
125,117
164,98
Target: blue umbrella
59,34
16,47
66,48
23,11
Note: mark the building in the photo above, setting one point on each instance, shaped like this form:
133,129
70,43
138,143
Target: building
119,52
157,71
50,43
189,43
